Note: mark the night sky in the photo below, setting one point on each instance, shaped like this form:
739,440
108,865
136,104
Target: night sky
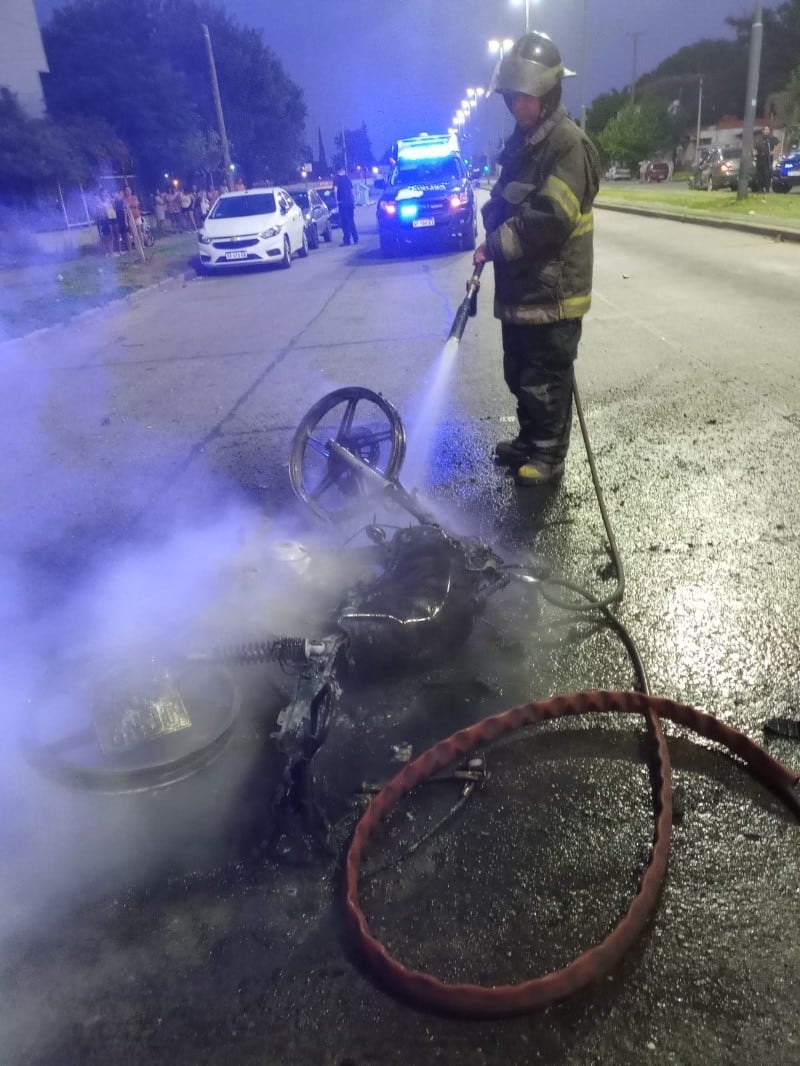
403,67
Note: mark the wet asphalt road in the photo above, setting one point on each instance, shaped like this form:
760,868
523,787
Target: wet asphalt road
146,464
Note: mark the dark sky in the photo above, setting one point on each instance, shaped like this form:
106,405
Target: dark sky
402,66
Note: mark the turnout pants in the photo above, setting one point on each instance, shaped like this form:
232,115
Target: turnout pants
538,369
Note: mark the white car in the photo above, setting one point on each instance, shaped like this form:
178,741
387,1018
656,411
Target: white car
618,173
254,226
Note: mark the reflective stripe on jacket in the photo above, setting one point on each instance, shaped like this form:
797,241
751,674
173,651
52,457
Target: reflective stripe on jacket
540,226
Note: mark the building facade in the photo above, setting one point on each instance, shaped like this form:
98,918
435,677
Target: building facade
22,58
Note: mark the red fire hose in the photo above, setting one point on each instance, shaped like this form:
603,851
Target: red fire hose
503,1000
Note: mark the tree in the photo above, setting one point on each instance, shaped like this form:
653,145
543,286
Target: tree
637,131
357,149
779,49
723,66
142,66
36,154
787,108
603,109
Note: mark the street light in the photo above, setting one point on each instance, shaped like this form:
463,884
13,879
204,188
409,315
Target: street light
528,6
502,47
753,72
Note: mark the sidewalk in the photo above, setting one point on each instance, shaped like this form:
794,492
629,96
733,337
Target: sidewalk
50,290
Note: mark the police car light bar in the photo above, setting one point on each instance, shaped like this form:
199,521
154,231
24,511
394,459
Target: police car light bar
427,146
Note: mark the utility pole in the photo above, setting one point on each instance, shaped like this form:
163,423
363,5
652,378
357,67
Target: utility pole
635,37
699,109
753,68
584,60
226,151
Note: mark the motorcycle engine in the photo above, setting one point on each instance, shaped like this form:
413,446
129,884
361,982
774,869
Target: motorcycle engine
424,603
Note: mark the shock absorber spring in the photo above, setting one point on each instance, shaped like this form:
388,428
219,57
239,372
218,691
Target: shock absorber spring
280,649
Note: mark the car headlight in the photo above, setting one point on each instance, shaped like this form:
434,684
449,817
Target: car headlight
387,207
202,238
273,231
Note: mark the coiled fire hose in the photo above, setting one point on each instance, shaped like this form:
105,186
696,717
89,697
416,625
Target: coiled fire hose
503,1000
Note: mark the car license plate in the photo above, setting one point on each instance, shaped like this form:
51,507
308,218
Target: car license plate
236,255
419,222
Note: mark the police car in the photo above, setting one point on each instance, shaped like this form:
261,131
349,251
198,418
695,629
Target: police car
429,197
786,172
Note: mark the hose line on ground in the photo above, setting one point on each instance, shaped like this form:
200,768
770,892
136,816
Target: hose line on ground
470,1000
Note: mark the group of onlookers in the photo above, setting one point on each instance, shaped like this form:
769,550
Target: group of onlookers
119,217
175,209
181,209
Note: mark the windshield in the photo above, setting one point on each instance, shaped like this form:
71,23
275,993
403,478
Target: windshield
425,172
262,203
300,198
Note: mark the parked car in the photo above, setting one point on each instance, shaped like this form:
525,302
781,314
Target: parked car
786,171
618,173
657,171
718,169
315,212
328,197
262,225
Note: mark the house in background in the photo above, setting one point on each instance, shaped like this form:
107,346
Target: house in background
22,58
727,133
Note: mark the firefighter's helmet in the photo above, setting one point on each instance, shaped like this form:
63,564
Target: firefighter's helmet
532,66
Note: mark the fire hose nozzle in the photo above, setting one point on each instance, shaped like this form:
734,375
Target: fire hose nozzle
473,288
473,775
469,305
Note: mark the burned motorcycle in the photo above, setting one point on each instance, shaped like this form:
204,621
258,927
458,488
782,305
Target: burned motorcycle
418,593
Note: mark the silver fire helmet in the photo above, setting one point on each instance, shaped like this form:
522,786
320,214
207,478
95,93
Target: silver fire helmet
532,66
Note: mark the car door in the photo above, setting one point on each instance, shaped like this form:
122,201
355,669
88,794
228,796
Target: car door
318,212
293,218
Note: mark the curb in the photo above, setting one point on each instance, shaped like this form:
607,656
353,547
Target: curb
776,232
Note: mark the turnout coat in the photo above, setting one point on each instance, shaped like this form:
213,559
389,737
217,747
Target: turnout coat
540,226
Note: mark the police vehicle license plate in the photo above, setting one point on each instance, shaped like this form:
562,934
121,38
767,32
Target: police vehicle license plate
423,222
236,255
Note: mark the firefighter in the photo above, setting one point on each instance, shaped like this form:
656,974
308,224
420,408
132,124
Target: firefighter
539,237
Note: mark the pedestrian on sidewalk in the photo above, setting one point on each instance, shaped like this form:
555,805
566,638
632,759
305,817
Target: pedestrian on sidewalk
107,223
122,222
539,237
345,199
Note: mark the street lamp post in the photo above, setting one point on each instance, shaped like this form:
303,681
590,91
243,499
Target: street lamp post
499,48
753,69
528,6
226,151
